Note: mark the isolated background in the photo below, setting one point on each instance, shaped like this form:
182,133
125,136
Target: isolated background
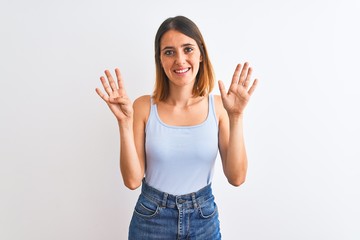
59,170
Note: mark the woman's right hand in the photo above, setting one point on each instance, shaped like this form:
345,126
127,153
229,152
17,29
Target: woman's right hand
116,97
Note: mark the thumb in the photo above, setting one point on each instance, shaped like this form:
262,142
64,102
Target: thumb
222,89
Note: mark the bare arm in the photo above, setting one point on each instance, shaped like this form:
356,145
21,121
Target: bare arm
132,162
231,137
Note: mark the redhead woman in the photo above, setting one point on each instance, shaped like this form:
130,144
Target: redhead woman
169,140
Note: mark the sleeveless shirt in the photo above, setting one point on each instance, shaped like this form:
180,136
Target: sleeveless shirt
180,159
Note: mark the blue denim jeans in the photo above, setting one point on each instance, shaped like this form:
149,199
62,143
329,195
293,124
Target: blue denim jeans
159,215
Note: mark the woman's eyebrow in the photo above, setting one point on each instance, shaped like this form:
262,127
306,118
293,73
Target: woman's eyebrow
187,45
167,48
183,45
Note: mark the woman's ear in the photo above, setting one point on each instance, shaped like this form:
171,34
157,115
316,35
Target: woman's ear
201,58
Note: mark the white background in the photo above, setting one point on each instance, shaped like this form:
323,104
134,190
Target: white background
59,170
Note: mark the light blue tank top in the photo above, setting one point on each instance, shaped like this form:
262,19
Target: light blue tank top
180,159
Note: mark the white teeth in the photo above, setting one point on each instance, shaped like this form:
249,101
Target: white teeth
182,71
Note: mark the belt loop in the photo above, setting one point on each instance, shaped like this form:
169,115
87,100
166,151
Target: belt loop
164,199
194,200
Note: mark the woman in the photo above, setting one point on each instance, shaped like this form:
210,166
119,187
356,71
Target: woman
169,141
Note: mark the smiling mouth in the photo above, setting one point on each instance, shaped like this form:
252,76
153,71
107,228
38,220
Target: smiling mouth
182,70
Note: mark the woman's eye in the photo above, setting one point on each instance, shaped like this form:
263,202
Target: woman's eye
188,49
169,52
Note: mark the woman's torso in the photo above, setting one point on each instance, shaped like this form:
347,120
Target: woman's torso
180,155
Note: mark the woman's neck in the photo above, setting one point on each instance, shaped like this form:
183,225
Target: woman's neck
181,96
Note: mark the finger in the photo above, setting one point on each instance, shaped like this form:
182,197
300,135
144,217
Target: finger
106,86
244,73
111,80
236,76
253,86
102,95
222,89
120,82
248,77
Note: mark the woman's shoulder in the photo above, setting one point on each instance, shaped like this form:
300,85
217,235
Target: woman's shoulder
219,107
143,100
142,107
218,102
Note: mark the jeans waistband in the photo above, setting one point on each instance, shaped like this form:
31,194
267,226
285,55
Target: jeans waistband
190,200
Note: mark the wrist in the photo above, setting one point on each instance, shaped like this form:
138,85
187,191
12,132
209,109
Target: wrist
125,124
236,117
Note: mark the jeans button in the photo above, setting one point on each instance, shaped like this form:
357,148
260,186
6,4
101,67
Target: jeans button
181,201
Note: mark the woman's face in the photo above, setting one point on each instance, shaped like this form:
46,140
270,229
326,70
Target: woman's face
180,58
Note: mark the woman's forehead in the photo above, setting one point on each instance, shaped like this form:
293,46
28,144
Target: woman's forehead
173,38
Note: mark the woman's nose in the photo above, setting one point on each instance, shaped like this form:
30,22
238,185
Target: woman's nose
180,58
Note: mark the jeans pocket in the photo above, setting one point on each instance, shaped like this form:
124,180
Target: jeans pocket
146,208
208,209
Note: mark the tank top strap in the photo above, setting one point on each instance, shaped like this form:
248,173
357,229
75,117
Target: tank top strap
152,113
212,112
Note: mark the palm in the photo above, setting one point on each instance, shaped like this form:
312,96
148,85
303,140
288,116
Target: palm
116,98
236,99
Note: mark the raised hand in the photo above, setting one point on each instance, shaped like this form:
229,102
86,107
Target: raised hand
236,99
116,97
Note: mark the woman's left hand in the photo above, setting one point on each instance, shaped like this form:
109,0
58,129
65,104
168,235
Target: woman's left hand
236,99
